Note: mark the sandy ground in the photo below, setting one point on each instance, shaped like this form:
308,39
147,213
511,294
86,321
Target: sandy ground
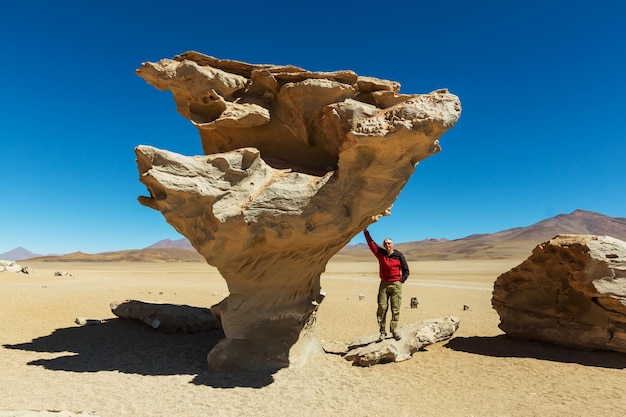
123,368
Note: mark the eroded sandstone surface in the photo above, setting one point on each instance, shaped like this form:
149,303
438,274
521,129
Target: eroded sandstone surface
571,291
296,164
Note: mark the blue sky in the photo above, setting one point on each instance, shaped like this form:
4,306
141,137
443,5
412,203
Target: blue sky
542,85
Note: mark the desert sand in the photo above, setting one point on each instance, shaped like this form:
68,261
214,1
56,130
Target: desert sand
124,368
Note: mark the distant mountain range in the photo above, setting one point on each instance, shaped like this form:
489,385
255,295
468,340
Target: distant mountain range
17,254
169,243
514,243
163,251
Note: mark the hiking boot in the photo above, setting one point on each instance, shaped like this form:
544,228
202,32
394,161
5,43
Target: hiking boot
397,336
382,336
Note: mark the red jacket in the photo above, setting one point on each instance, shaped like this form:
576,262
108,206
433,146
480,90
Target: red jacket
392,267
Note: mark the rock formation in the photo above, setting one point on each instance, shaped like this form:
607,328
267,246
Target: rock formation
369,351
296,164
12,266
167,318
571,291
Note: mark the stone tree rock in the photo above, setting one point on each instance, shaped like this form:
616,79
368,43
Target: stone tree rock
571,291
296,164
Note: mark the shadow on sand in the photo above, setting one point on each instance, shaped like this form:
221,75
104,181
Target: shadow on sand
130,347
504,347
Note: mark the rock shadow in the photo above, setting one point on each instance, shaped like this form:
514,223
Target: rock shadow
502,346
131,347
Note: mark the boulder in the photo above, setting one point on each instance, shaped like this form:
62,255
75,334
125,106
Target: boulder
167,318
571,291
83,321
370,350
295,164
12,267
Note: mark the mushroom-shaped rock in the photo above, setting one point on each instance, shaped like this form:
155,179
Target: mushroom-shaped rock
296,164
571,292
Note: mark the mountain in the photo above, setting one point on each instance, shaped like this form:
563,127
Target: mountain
169,243
136,255
516,243
166,250
18,254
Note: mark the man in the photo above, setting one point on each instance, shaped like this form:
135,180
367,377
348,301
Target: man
393,271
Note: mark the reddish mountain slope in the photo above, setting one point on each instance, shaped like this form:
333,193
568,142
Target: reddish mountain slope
507,244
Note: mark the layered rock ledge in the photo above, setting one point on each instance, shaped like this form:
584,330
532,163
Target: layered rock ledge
296,164
571,292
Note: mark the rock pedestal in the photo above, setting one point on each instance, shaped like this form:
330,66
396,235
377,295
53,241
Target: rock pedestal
571,291
296,164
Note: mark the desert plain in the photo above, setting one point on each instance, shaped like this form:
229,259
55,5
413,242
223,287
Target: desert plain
124,368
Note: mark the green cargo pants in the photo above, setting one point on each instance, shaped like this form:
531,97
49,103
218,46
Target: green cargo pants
389,293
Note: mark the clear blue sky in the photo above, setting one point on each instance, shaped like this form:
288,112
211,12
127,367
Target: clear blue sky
542,85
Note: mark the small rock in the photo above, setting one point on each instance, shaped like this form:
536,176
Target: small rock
13,268
87,322
334,347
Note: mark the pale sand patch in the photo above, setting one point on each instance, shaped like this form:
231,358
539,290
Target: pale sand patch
125,369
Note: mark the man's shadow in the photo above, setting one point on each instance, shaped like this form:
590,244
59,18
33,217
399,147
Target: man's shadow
504,347
130,347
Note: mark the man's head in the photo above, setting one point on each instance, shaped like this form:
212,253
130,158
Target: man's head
388,244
